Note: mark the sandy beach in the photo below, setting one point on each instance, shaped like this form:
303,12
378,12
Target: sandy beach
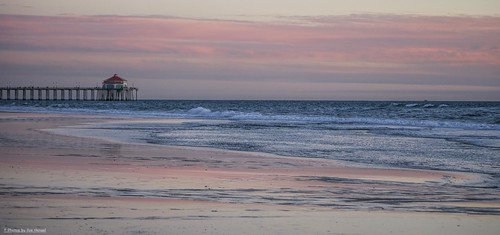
70,185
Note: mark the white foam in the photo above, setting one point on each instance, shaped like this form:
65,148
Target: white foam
200,111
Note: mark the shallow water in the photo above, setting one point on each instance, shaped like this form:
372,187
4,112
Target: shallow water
461,136
454,136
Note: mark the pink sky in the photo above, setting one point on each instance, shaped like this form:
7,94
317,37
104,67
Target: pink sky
364,56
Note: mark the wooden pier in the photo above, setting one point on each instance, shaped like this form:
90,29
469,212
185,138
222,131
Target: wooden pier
68,93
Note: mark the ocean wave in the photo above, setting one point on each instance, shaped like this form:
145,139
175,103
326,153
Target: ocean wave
419,118
428,105
414,105
201,112
411,105
204,112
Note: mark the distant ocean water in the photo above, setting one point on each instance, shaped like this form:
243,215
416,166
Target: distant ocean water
456,136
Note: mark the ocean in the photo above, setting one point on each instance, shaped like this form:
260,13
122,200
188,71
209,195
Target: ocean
445,136
452,136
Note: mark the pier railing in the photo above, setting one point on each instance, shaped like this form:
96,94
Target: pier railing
68,93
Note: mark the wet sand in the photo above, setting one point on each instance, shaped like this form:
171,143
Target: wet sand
78,185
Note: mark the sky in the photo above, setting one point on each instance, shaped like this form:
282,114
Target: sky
236,49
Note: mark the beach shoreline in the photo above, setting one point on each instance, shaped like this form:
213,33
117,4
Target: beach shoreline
70,184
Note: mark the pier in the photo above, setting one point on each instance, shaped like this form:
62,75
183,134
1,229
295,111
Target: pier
68,93
114,88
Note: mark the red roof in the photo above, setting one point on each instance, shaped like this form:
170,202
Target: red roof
114,80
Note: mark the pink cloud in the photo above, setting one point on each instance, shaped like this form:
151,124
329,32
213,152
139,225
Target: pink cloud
354,38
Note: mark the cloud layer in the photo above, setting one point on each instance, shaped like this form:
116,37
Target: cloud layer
326,57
